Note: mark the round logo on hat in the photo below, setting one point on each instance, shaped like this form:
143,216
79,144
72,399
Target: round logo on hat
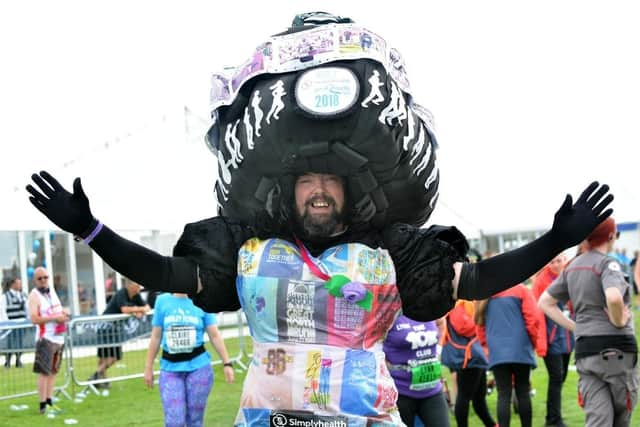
327,91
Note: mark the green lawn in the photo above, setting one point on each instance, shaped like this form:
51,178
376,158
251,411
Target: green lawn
131,403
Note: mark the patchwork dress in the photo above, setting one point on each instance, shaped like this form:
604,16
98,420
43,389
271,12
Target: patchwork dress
316,357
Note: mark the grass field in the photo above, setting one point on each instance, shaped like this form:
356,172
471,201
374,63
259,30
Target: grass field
130,403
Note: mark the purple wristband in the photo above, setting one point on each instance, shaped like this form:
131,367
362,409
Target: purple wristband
93,234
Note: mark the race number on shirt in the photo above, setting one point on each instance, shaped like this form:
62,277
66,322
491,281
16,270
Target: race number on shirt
180,339
426,375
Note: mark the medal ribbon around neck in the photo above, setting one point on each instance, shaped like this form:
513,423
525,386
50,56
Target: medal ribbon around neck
339,285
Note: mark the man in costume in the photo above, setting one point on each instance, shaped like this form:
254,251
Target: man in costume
321,198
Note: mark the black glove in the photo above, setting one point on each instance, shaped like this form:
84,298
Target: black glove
71,213
68,211
571,225
573,222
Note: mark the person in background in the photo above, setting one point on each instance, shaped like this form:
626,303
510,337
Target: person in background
510,330
186,377
110,286
411,352
463,354
47,313
126,300
635,278
13,306
606,347
560,343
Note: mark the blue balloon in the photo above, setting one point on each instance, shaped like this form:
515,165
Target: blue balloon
36,245
52,236
44,263
30,271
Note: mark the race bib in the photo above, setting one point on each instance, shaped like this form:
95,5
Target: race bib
426,375
180,339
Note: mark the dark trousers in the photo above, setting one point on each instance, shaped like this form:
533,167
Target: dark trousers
15,340
509,376
472,387
433,411
557,367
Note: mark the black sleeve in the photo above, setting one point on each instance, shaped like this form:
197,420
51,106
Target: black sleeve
144,266
139,301
213,245
492,275
119,301
423,259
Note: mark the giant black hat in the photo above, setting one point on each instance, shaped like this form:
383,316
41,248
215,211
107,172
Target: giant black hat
325,96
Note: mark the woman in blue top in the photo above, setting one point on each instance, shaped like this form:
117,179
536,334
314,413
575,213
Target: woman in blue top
186,377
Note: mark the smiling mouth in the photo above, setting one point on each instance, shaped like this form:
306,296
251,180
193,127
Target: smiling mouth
319,204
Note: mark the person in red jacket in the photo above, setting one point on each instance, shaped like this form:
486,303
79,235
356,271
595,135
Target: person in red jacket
510,331
560,343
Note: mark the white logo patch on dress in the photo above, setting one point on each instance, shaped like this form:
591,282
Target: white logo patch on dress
614,266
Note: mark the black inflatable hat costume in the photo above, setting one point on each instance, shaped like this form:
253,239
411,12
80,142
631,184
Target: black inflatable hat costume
325,96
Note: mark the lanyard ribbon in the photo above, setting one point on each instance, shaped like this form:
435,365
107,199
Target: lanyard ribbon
312,266
339,285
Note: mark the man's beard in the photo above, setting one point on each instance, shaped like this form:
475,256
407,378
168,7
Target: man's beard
320,225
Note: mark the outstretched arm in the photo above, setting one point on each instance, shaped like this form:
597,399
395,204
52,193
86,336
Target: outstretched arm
71,212
571,225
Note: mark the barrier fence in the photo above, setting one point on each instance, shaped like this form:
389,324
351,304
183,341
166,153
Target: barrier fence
86,339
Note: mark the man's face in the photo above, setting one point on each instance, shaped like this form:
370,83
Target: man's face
134,288
557,264
319,200
41,277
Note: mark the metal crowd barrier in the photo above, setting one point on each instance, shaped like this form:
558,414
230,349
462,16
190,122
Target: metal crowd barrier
87,336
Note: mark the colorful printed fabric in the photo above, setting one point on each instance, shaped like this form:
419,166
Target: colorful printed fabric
184,396
317,357
411,349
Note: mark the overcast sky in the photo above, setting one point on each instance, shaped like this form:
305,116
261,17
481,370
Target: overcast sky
531,99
